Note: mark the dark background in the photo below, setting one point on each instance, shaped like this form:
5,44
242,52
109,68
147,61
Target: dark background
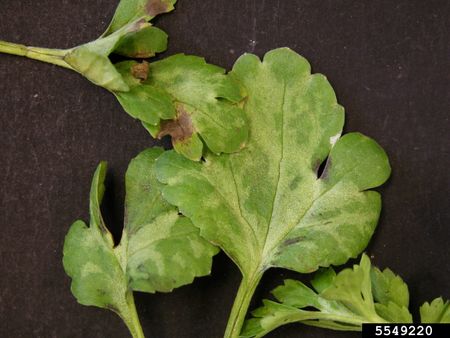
388,61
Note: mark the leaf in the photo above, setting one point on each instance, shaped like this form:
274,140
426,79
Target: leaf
323,279
135,39
265,206
438,311
159,250
392,296
129,35
149,106
188,99
387,287
96,68
131,10
142,44
346,302
353,288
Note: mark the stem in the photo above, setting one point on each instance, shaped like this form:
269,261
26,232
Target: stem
53,56
131,318
241,303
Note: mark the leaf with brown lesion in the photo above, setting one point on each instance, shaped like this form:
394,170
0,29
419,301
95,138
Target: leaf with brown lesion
179,128
156,7
192,101
140,71
185,139
130,10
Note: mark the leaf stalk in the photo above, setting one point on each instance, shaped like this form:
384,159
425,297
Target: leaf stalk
53,56
131,317
241,304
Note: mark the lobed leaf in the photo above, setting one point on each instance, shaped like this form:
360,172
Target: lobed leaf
159,250
131,10
392,296
438,311
345,301
188,99
142,44
265,206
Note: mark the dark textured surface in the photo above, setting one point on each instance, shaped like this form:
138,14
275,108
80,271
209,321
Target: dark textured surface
389,62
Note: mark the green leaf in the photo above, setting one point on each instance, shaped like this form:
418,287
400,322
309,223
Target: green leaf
265,206
266,202
131,10
129,35
345,301
438,311
142,44
353,288
387,287
149,105
392,296
91,59
159,250
323,278
188,99
96,68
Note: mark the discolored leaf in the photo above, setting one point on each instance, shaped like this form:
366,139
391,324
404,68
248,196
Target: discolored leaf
131,10
159,250
91,59
129,35
265,206
188,99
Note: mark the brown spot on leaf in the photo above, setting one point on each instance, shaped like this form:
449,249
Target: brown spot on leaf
155,7
140,70
180,128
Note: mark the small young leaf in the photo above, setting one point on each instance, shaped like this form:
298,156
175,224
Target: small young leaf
159,250
353,288
345,302
438,311
387,287
188,99
392,296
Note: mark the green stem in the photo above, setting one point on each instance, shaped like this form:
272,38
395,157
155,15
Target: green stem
53,56
241,303
131,318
